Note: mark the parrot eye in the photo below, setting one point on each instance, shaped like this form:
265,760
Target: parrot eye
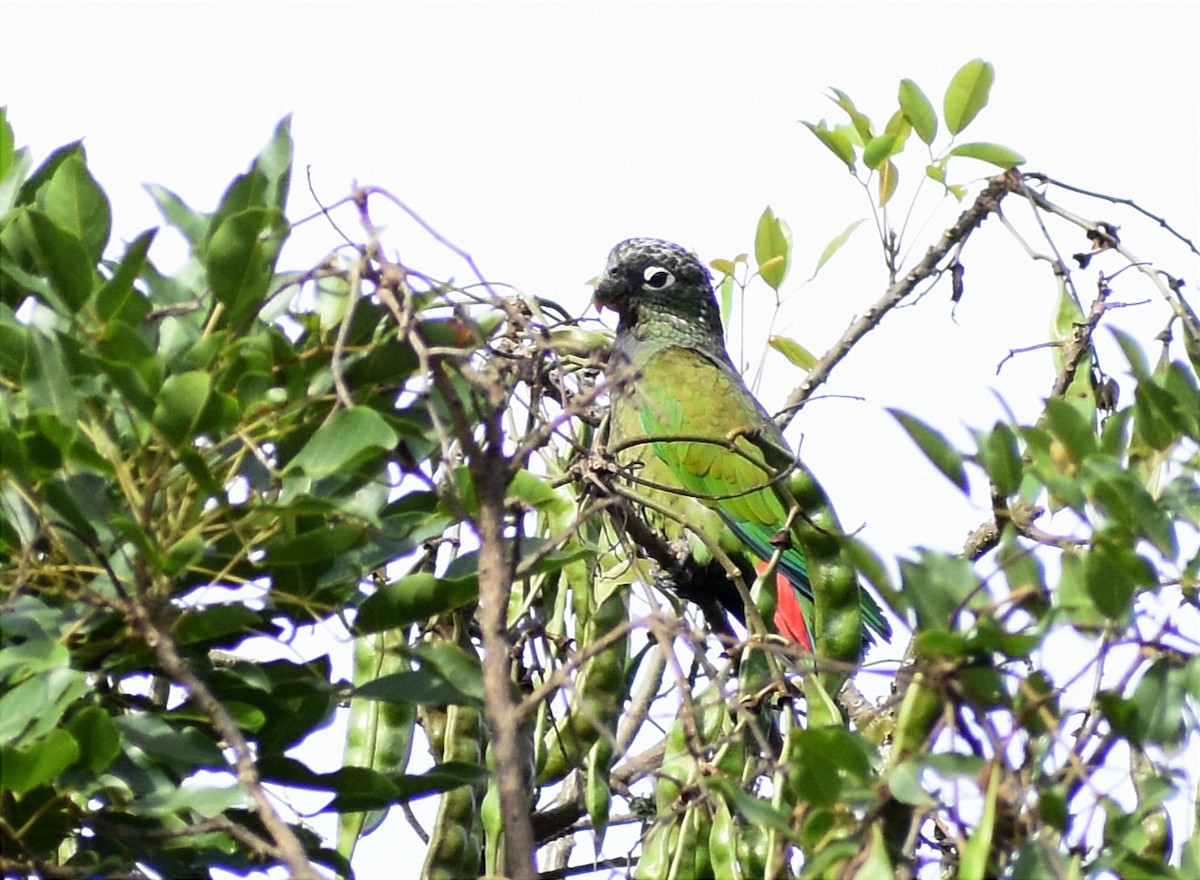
657,278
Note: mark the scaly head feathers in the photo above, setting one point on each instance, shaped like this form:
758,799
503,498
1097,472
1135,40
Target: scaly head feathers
661,291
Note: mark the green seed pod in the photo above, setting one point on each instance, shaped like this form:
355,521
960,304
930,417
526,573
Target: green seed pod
379,733
678,768
712,715
698,842
657,847
837,615
598,696
433,719
723,842
492,820
753,849
918,713
597,793
454,844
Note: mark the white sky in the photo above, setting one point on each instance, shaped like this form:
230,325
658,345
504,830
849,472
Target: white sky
536,136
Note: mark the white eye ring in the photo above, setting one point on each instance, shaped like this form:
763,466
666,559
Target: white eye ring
657,278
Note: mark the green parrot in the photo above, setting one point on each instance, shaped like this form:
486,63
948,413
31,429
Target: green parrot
672,377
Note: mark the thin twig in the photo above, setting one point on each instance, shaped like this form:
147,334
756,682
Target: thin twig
1116,200
290,850
1179,306
985,204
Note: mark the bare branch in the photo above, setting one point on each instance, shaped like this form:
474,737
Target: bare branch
160,641
1116,200
984,205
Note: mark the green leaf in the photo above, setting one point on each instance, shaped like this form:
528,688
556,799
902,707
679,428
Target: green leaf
454,664
245,715
938,586
538,493
1116,491
1045,458
28,192
240,260
48,385
827,761
978,852
870,566
275,163
1180,383
117,297
904,782
880,149
726,296
416,597
983,687
180,403
1112,573
13,178
1074,430
861,123
1159,699
441,777
8,152
216,626
953,764
61,257
900,127
349,437
889,179
25,768
98,738
1073,596
918,111
835,245
996,154
755,811
33,708
796,353
937,449
264,185
326,542
1022,568
193,224
74,201
362,788
772,248
823,712
967,94
204,800
26,658
423,687
1158,418
835,141
1001,458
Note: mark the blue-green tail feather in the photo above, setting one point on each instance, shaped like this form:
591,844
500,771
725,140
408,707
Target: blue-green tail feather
792,564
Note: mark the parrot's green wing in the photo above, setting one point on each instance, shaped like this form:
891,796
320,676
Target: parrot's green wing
682,393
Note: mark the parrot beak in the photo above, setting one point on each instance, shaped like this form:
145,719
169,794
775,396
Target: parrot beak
609,293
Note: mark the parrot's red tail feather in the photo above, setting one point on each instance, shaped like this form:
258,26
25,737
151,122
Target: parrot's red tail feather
789,616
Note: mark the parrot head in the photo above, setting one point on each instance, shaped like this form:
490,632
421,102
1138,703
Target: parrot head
645,276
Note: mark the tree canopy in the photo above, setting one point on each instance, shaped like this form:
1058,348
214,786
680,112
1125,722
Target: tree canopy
203,460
